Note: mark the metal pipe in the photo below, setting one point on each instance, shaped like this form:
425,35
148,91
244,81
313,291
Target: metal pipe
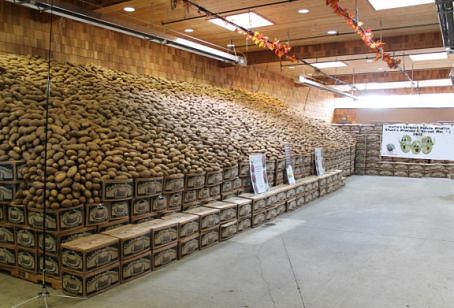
155,37
446,19
226,12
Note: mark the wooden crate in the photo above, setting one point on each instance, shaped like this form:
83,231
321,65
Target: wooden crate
244,206
188,245
8,171
228,211
96,214
135,267
258,218
26,238
140,206
134,239
16,214
188,225
27,259
189,197
175,201
209,237
244,168
165,255
230,172
209,217
144,218
244,224
214,178
56,220
195,180
159,203
87,253
292,204
7,191
163,232
116,190
215,192
281,208
7,234
54,240
173,183
148,187
7,255
112,224
258,201
53,266
91,283
2,212
119,209
271,213
228,230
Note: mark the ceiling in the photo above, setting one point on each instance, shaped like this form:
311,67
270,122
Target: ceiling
290,26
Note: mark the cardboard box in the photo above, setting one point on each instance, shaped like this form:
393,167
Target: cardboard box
188,225
116,190
134,239
228,230
135,267
209,237
244,206
148,187
173,183
195,180
57,220
90,252
188,245
163,232
165,255
228,211
209,217
92,283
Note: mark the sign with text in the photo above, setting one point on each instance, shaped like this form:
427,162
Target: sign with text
259,179
319,164
418,141
288,164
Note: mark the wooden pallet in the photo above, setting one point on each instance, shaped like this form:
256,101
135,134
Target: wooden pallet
54,282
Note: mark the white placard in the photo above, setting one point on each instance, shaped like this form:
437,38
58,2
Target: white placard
290,175
418,141
319,164
288,164
259,178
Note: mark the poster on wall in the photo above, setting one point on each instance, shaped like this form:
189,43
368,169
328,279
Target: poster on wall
418,141
259,178
319,164
288,164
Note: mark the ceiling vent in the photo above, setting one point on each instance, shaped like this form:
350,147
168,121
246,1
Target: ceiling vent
446,19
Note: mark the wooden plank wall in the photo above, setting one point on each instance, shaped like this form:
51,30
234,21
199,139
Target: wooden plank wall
25,31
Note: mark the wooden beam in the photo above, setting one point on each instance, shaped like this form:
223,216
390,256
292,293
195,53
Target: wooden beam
393,43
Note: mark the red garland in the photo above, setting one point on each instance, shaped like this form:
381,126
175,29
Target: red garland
365,34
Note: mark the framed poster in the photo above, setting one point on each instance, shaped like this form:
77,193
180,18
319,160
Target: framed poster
259,179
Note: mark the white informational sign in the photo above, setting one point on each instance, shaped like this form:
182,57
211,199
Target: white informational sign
288,164
257,164
319,164
418,141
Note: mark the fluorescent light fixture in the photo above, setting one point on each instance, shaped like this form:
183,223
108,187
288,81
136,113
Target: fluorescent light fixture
291,67
311,83
188,30
129,9
246,20
369,60
230,45
329,64
303,11
429,56
397,85
380,68
392,4
439,100
332,32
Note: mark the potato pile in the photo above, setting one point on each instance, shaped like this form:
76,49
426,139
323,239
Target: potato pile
106,124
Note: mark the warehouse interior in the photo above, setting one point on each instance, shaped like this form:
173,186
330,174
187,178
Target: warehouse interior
256,153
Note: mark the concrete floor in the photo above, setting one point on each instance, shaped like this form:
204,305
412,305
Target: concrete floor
377,243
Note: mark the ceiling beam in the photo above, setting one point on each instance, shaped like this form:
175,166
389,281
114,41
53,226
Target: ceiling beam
426,74
336,49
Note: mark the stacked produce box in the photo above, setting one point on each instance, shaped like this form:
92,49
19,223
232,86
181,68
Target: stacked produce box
369,162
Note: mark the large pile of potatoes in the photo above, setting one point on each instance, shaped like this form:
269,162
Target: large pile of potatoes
107,124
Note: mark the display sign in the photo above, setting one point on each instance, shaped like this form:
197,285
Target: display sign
418,141
259,178
288,164
319,164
